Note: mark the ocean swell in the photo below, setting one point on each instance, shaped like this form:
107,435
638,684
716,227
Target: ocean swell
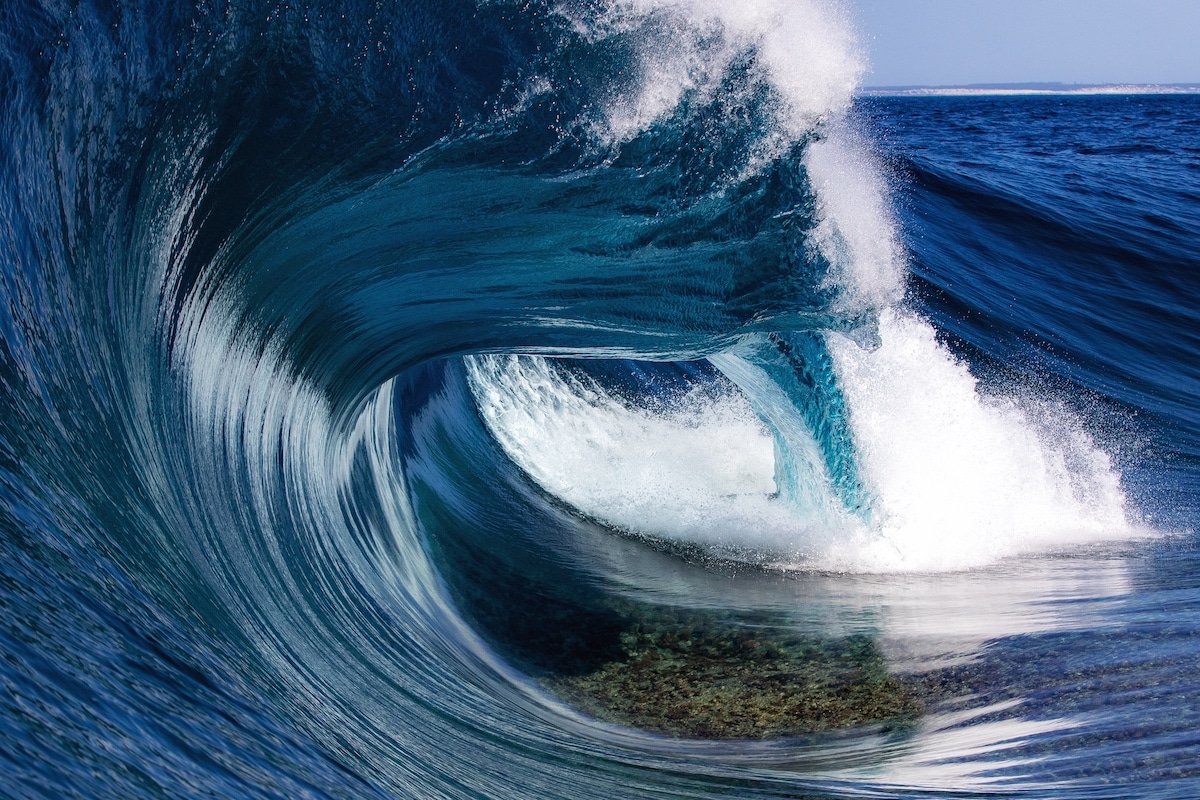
327,334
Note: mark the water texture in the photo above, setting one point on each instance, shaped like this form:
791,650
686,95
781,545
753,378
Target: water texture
584,399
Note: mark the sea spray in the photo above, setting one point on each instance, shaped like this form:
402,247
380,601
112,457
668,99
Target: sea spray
263,531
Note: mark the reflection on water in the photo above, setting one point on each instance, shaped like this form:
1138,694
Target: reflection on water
1006,673
962,750
993,656
922,621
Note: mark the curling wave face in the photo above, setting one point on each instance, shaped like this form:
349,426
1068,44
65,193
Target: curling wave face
319,327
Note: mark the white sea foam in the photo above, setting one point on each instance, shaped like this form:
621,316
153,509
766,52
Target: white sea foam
806,49
956,479
700,470
855,230
961,479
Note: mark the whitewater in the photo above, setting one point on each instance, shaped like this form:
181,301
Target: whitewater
578,399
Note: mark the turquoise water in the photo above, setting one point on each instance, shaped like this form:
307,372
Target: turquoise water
564,400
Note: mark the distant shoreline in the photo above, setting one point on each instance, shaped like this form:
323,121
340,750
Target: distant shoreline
1011,89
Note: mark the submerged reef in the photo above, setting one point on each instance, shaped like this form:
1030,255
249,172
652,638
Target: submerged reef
530,588
692,675
680,672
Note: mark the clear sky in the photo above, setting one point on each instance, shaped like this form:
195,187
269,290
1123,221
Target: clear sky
955,42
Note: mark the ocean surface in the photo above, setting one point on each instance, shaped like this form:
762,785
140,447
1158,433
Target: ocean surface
584,399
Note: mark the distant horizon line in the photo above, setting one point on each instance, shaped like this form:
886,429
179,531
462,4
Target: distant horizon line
1030,88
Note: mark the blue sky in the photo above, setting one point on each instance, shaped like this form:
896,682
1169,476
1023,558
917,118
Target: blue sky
952,42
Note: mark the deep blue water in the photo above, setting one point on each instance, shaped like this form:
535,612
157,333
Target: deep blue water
374,378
